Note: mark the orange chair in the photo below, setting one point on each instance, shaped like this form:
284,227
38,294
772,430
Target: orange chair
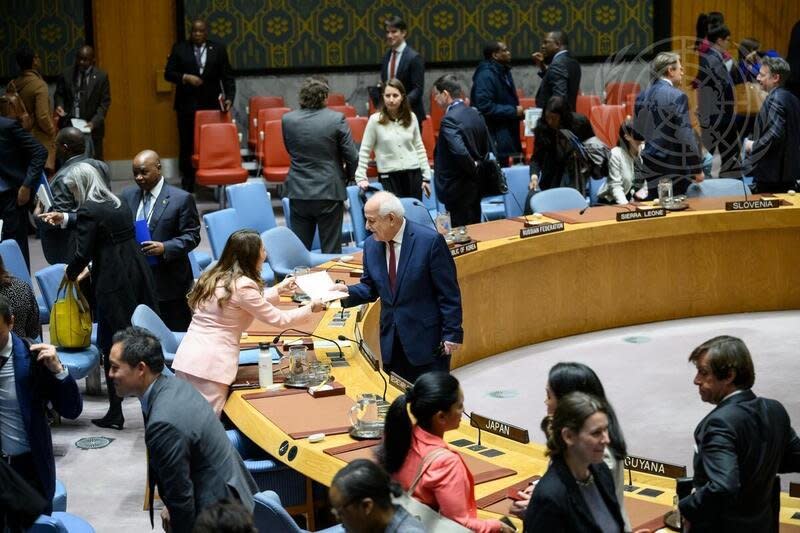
630,104
264,116
348,110
220,159
606,120
276,158
520,93
617,91
357,127
437,113
428,139
206,116
527,102
256,104
586,102
335,99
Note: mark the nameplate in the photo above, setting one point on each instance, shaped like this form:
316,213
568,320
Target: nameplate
641,214
371,361
746,205
794,490
651,466
497,427
399,382
462,249
541,229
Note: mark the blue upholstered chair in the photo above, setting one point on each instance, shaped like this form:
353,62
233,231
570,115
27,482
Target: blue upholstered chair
430,202
316,247
60,497
269,515
492,208
717,187
558,199
146,318
219,226
416,212
60,522
253,204
15,265
594,187
517,178
196,268
285,251
356,209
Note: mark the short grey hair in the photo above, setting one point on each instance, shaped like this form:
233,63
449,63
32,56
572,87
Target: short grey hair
662,62
389,203
85,183
778,67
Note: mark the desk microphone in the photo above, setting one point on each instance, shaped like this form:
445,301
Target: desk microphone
476,426
279,335
582,211
361,349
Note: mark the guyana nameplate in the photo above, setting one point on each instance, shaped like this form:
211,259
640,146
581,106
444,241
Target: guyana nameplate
399,382
462,249
651,466
541,229
499,428
641,214
746,205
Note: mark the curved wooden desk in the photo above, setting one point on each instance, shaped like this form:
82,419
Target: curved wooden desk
588,277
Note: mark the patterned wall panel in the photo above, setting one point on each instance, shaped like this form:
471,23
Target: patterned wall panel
53,28
307,34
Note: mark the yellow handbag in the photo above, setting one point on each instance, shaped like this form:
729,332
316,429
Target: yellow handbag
70,318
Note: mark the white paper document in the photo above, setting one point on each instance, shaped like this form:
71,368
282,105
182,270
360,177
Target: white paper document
318,285
532,116
81,125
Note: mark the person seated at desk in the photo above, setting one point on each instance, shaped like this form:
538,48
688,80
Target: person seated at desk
576,494
554,150
624,158
446,484
225,300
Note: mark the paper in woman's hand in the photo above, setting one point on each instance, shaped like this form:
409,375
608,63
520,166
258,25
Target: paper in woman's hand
319,286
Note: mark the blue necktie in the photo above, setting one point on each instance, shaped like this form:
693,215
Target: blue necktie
145,206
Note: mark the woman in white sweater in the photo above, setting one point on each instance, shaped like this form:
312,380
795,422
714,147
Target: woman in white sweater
393,134
621,164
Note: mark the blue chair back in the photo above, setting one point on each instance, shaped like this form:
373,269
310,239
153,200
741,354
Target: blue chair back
517,178
558,199
196,270
14,261
146,318
717,187
253,203
357,212
315,244
269,514
219,226
594,187
430,201
416,212
48,279
285,251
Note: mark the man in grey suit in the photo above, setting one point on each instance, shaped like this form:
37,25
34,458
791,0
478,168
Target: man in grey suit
190,458
323,159
58,242
171,215
83,92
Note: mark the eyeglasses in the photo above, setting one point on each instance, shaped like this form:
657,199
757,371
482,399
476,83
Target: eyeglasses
337,511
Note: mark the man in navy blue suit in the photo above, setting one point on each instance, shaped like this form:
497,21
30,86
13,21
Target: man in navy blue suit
404,63
408,266
463,142
174,224
773,151
661,116
31,376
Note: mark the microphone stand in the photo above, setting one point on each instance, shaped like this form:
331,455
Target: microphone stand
476,426
277,338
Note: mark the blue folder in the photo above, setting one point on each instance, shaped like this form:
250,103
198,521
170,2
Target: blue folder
142,235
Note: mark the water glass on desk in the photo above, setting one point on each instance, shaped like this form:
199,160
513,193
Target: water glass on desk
664,191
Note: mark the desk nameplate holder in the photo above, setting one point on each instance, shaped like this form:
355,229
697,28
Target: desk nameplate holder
399,382
500,428
462,249
748,205
641,214
532,230
654,467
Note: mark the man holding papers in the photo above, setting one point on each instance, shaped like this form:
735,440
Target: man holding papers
408,266
169,215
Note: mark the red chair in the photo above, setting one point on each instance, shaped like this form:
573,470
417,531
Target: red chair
357,127
606,120
630,104
617,91
437,113
347,110
264,116
202,117
220,159
520,93
276,158
428,140
527,102
256,104
335,99
586,102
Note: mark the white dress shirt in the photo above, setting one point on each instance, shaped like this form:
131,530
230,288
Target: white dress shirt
154,192
399,54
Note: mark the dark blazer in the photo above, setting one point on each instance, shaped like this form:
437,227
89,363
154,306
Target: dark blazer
22,157
463,140
715,101
58,244
562,78
661,116
495,96
217,72
740,447
557,504
94,102
410,71
776,140
190,458
121,277
176,224
36,387
425,307
323,155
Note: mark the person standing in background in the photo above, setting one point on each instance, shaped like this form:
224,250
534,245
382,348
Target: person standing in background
32,90
404,63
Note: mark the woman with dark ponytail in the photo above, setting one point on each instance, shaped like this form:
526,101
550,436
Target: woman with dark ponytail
437,403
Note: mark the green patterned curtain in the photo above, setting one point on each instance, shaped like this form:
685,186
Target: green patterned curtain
53,28
306,34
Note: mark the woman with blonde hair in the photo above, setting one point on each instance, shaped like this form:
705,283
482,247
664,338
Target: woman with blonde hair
225,301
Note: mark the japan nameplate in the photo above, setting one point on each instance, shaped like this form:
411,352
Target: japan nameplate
541,229
497,427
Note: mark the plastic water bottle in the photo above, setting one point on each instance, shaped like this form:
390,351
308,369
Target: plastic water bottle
264,365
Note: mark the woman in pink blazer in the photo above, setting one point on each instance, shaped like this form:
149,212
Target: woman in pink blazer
225,300
437,403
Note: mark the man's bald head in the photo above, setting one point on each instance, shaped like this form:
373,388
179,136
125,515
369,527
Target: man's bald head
146,169
70,142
